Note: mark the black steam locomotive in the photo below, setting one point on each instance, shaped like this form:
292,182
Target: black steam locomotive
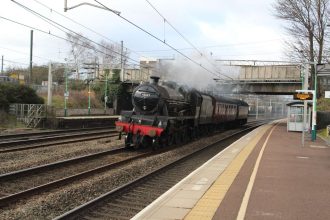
168,114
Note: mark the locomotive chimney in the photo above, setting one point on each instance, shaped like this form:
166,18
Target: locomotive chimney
154,79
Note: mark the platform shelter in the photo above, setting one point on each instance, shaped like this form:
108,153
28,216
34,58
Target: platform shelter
296,116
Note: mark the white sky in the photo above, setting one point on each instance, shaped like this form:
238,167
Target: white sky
234,29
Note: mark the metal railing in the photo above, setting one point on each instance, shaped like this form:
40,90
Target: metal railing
30,114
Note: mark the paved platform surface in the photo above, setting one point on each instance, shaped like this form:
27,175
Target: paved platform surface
267,174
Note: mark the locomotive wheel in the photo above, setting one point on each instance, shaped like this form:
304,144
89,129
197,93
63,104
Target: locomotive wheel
146,141
184,136
195,133
137,140
171,139
137,146
127,144
162,140
128,140
156,143
165,140
175,138
190,134
178,138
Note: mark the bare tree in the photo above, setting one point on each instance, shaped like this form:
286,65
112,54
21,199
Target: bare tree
81,49
306,23
110,55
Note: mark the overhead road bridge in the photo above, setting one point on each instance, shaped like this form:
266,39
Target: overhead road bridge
265,78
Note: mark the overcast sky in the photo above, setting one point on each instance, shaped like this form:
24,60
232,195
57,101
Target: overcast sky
234,29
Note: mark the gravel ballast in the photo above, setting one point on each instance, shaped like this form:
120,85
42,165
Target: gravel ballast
56,202
13,161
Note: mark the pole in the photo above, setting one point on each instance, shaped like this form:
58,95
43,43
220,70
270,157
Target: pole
257,109
305,86
314,106
50,83
106,92
66,95
2,65
31,49
270,108
95,74
122,62
89,97
65,5
303,77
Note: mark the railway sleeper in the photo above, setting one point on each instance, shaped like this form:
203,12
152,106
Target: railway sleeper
129,202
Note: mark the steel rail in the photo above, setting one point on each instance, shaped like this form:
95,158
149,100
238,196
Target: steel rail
37,169
57,142
76,212
29,134
52,137
8,200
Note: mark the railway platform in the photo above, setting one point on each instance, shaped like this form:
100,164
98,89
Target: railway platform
86,121
267,174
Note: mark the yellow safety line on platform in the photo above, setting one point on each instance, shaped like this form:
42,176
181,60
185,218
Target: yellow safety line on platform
245,201
209,203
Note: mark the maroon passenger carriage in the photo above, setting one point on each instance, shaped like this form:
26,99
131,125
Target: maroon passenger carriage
169,114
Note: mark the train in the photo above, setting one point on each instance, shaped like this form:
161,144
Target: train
167,114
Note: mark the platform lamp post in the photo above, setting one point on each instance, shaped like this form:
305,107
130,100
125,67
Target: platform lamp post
106,91
314,104
314,92
66,93
89,96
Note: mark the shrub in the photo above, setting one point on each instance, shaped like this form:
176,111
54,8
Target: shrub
14,93
323,104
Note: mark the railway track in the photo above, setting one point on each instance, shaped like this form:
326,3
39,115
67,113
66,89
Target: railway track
37,141
43,177
41,182
126,201
26,135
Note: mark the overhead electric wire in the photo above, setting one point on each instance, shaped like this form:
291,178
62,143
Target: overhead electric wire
48,33
59,26
175,29
155,37
20,52
212,46
34,28
178,32
45,32
11,61
101,35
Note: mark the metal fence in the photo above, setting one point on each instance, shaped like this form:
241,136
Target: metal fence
30,114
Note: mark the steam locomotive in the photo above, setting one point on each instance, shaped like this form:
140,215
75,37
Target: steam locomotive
169,114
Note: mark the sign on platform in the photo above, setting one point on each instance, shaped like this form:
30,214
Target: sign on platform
327,95
302,96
